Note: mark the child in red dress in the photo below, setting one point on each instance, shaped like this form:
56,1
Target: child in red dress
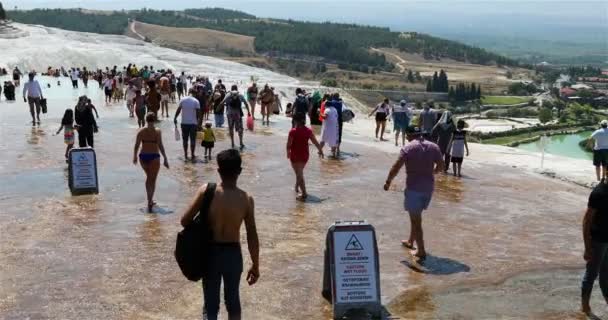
297,152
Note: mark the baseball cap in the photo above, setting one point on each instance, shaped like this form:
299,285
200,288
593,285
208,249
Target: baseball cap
413,130
604,123
403,102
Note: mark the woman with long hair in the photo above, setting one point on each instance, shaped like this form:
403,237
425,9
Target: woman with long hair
150,140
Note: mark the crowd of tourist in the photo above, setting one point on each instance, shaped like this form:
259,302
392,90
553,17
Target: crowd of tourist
433,142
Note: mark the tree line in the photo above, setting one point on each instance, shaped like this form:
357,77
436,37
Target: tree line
463,92
344,44
438,83
2,13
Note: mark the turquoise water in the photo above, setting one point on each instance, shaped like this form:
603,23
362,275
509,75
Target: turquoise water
562,145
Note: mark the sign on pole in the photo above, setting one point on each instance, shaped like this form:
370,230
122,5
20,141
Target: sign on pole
352,268
82,167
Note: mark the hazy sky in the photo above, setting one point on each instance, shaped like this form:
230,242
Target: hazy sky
549,20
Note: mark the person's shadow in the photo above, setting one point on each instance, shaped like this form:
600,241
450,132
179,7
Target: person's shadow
436,265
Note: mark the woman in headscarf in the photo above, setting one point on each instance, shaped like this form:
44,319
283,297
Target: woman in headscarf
85,122
443,131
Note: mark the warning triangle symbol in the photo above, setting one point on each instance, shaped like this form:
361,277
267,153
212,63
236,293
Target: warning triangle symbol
353,244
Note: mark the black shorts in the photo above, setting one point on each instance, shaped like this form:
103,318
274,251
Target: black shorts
173,88
108,92
208,144
600,158
457,159
380,117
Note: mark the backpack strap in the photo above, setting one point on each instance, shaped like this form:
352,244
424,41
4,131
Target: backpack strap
207,199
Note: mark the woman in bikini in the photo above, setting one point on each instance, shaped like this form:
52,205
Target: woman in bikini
151,142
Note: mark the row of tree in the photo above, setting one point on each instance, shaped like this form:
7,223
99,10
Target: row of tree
439,82
2,13
463,92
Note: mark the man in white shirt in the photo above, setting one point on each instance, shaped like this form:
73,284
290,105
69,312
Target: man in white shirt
34,97
189,108
74,75
184,80
600,150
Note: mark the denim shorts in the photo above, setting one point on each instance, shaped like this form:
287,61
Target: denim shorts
416,202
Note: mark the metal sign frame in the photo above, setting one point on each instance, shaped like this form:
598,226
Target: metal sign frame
329,274
81,191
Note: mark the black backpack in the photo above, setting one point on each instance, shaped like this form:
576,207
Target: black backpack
235,103
300,106
192,245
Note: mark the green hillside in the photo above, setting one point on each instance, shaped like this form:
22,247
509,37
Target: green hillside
345,44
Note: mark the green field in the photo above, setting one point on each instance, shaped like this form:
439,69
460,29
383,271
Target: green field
498,100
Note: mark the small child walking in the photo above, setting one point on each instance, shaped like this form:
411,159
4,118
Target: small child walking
208,140
298,153
459,144
67,125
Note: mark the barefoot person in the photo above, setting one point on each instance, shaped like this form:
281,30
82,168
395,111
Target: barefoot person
33,91
459,145
298,153
421,159
266,98
151,142
595,225
252,97
382,112
401,121
330,129
600,150
443,130
189,108
85,123
230,207
234,113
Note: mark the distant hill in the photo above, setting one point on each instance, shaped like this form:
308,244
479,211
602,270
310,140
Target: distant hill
344,44
202,41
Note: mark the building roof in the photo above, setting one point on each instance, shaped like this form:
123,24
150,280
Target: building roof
567,91
580,86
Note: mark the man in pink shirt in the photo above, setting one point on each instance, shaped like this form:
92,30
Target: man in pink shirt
422,160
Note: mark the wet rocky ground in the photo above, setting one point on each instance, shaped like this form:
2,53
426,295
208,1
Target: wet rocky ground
503,244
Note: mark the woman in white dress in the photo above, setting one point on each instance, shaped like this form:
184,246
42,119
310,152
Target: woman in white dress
329,132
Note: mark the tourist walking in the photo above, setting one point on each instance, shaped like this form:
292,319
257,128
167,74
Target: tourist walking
459,144
85,123
218,107
17,77
165,93
229,208
266,98
330,129
600,150
234,113
208,140
184,81
401,121
595,237
382,111
422,159
130,97
443,130
67,125
300,106
108,88
337,103
427,120
189,108
298,153
153,98
85,77
252,97
33,92
74,75
149,142
139,104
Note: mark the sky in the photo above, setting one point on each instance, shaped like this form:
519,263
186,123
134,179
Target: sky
583,21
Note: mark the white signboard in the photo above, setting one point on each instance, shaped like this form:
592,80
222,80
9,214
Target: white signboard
355,267
83,169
